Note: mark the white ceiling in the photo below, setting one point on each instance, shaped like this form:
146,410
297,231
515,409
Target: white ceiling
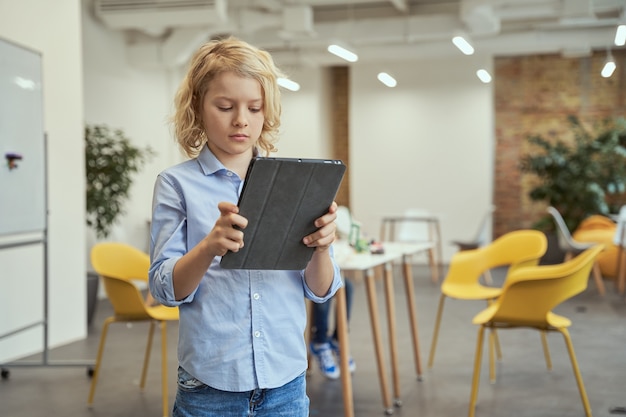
165,32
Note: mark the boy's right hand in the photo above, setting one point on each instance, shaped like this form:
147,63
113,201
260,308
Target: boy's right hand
227,233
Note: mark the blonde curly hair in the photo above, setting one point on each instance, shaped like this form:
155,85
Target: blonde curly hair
211,59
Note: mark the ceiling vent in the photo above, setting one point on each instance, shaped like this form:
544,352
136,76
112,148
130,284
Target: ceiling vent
152,14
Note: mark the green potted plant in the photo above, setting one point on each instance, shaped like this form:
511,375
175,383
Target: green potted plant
582,177
111,161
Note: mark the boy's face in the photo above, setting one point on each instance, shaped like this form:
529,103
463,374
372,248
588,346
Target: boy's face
233,116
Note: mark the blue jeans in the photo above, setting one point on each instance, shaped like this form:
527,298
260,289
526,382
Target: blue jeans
195,399
321,313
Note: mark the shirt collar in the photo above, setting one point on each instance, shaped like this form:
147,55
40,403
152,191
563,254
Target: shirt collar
209,162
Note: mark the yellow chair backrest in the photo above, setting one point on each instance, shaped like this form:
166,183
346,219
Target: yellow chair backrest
118,265
119,260
530,294
515,249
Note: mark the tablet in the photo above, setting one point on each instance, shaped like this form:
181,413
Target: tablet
282,198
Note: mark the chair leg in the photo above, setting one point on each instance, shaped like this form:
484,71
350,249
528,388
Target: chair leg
146,358
164,380
492,362
494,345
433,343
487,277
579,378
546,349
476,377
597,276
495,341
96,373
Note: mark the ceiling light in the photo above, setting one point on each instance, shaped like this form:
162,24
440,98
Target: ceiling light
288,84
608,69
463,45
620,35
609,65
484,76
343,53
387,79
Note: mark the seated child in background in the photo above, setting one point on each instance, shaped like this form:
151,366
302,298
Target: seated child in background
324,345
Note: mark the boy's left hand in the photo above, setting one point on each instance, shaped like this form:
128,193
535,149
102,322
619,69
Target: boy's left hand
324,236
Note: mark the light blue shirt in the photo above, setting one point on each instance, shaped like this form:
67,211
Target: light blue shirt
240,329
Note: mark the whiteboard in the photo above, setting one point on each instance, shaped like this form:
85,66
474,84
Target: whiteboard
22,181
21,274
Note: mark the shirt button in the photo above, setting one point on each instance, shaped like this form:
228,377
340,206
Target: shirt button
257,334
230,174
256,296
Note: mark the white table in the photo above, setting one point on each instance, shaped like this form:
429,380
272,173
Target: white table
365,263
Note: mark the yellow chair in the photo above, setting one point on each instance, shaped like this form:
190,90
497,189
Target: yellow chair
515,249
119,265
527,299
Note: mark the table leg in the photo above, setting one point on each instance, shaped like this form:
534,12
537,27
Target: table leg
410,298
344,352
370,286
439,248
391,319
434,268
436,258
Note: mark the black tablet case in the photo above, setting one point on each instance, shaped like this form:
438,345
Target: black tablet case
281,198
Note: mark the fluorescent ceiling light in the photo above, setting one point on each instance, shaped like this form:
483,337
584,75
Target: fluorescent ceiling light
484,76
343,53
288,84
463,45
387,79
609,65
620,35
608,69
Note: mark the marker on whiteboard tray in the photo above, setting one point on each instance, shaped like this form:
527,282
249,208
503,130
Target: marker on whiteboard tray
12,159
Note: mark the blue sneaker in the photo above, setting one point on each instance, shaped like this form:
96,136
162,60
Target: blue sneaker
334,345
324,355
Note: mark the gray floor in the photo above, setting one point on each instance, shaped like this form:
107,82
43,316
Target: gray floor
524,386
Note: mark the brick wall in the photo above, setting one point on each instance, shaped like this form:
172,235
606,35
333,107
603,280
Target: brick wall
534,95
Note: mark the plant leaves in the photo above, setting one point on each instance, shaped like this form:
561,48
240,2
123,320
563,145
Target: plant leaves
111,161
578,178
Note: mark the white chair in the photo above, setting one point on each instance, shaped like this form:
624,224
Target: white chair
573,247
414,231
482,238
416,226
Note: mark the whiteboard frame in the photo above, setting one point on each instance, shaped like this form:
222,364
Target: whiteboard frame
30,237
